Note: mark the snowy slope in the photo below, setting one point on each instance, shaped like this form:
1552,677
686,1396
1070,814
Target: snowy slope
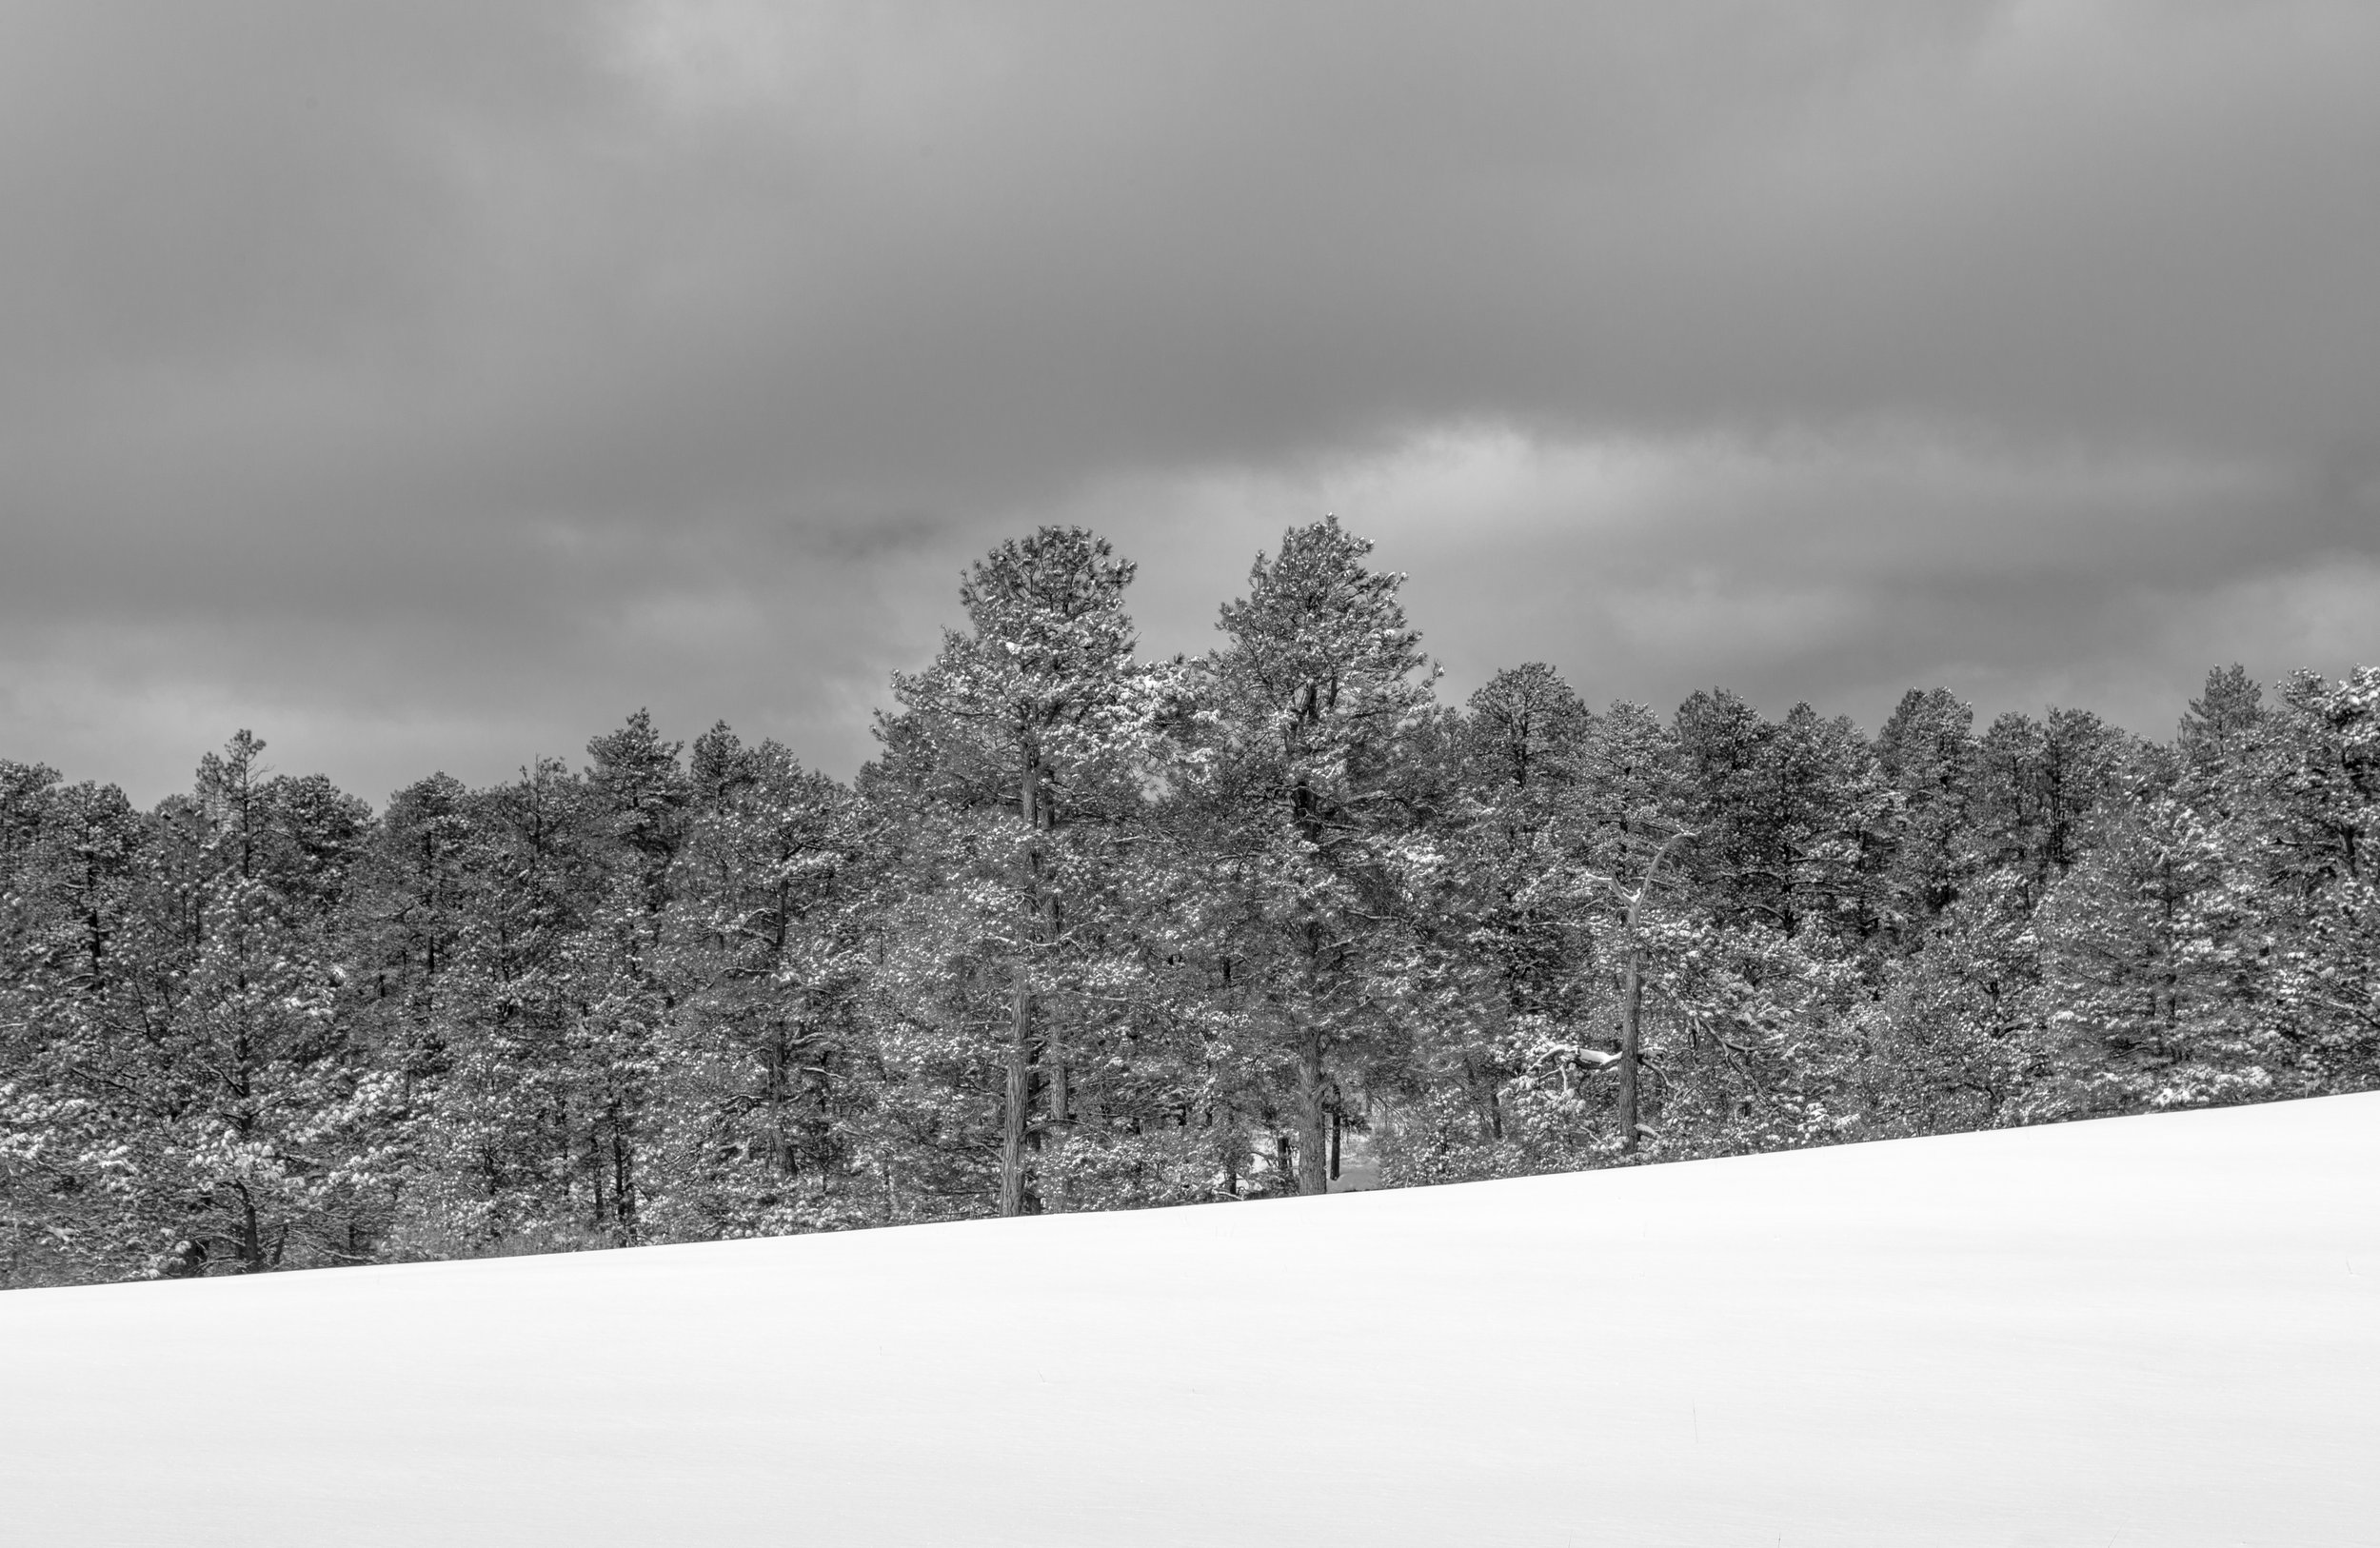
2147,1331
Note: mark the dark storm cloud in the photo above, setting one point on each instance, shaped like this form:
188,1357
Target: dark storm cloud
431,384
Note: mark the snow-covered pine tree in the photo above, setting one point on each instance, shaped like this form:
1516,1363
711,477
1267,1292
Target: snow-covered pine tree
1314,697
233,1099
764,1097
69,1210
1037,716
2318,769
1927,756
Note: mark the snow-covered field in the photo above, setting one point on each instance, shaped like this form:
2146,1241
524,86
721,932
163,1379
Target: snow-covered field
2145,1331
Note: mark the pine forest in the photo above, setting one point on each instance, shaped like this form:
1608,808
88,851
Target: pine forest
1097,932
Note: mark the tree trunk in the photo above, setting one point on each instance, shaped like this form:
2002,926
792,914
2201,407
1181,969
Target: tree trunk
1021,1008
1631,1044
251,1236
1631,1001
1314,1119
595,1173
1054,1077
622,1180
1012,1112
780,1148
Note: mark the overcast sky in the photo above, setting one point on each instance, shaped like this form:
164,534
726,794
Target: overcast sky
427,386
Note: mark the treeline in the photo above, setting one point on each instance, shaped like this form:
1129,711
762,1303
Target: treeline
1096,932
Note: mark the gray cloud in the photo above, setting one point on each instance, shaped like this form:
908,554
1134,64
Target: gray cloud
429,386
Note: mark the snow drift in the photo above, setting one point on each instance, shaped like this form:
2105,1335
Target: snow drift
2140,1331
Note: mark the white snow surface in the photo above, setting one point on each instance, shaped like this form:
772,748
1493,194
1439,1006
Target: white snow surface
2142,1331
